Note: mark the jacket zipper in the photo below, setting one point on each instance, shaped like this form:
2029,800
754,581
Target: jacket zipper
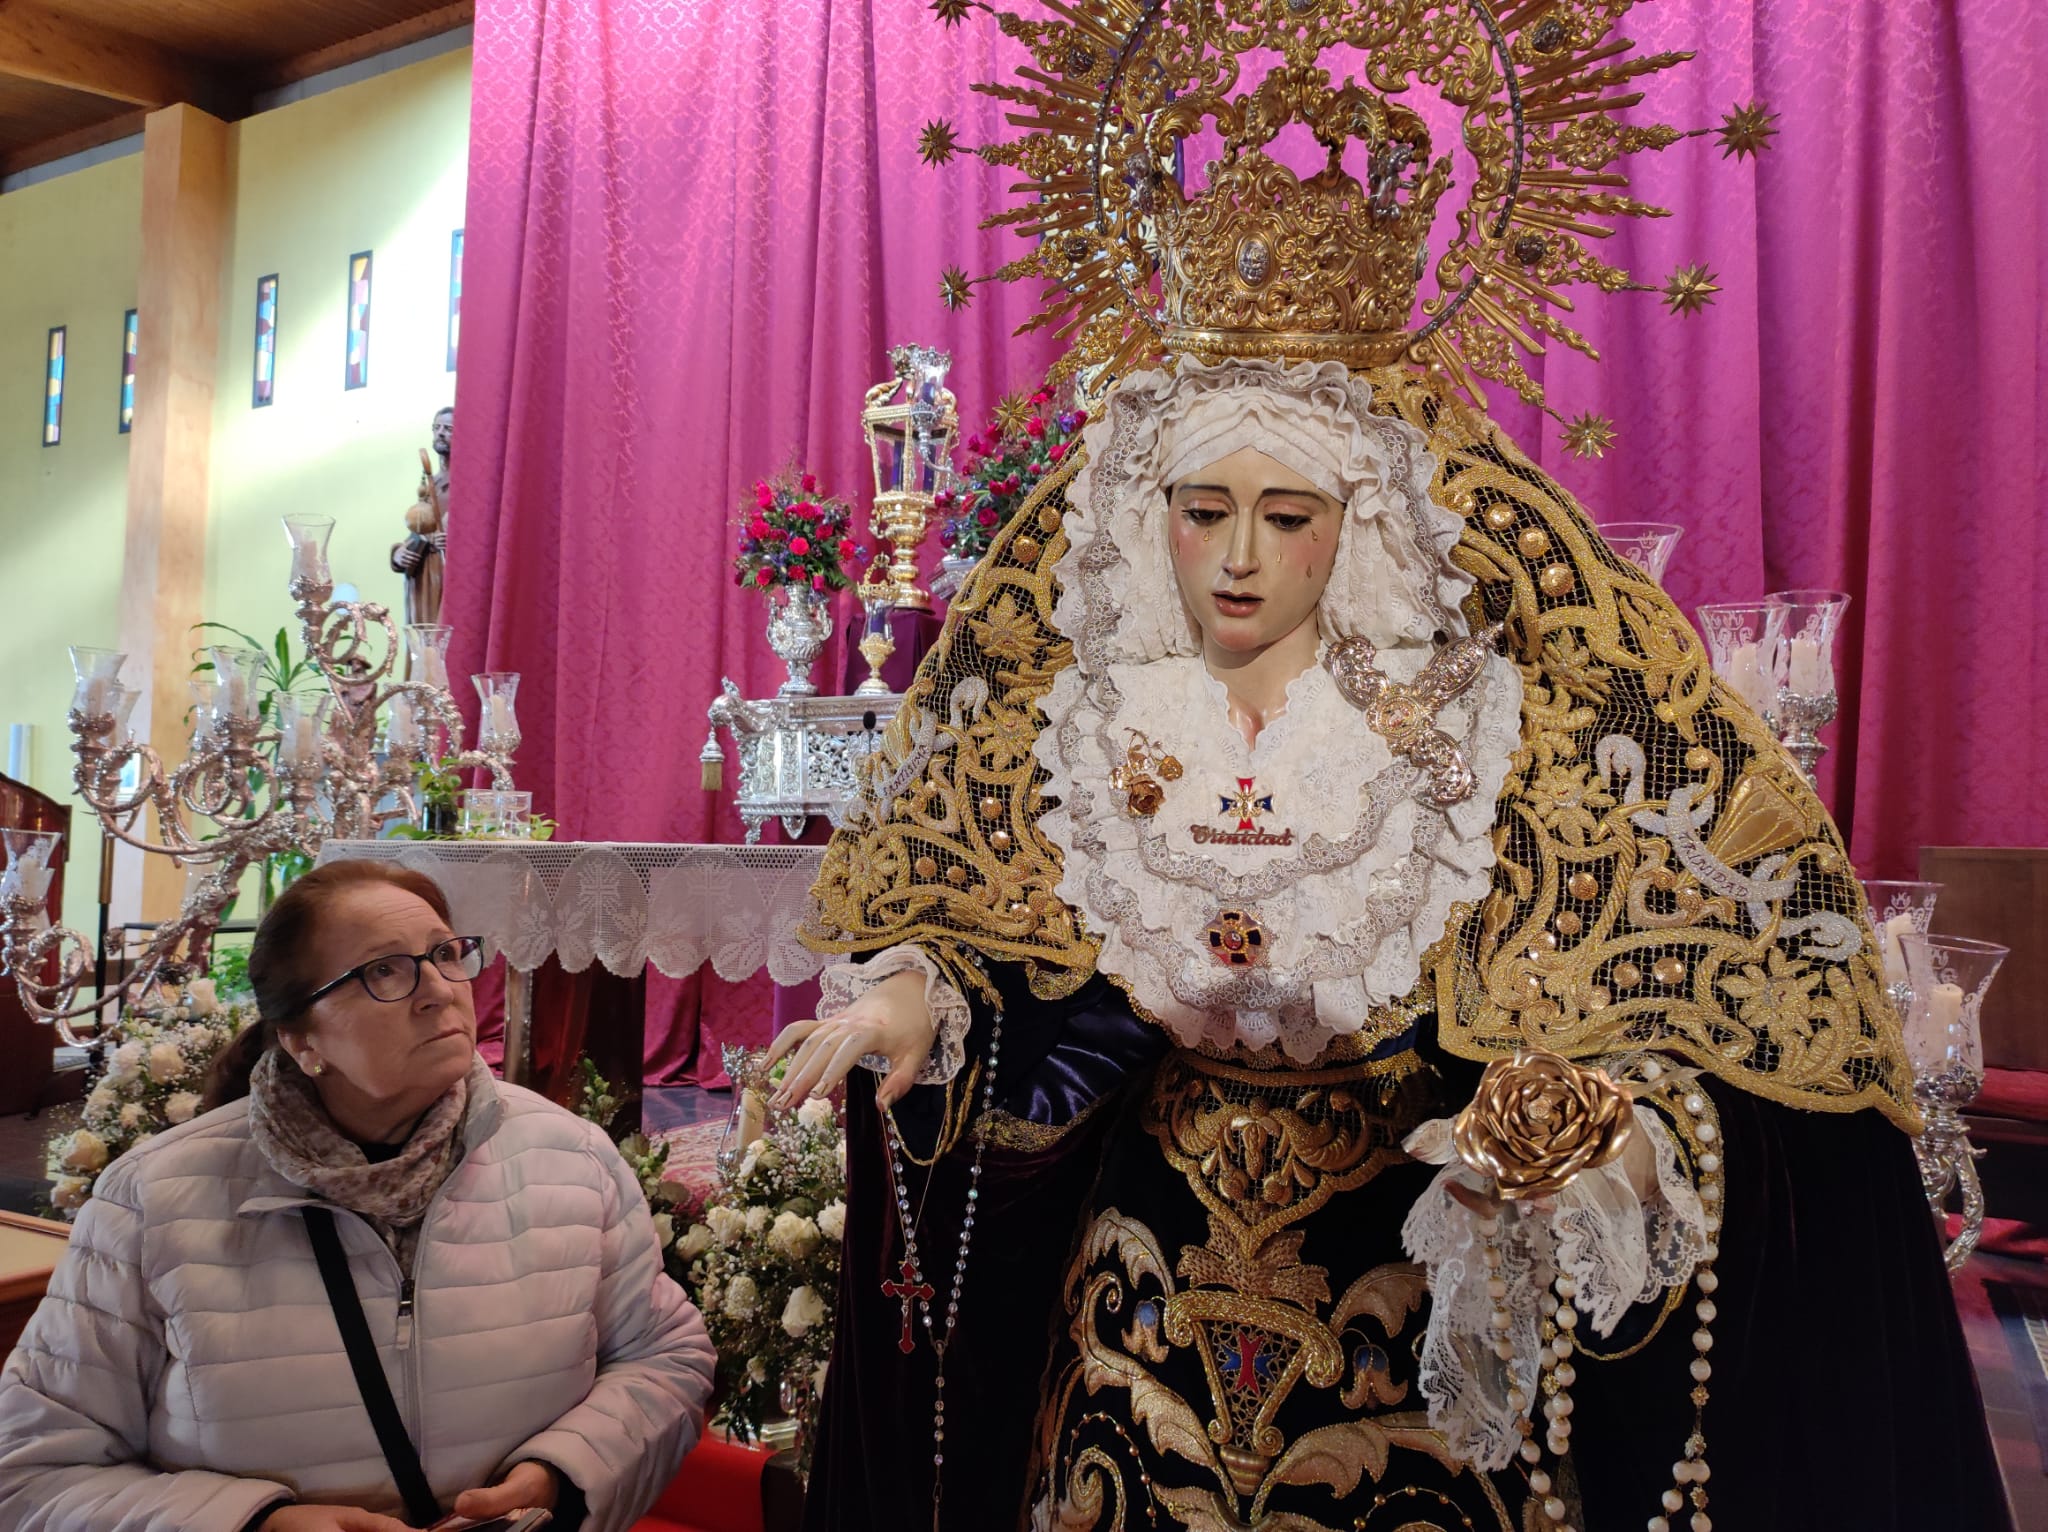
405,1314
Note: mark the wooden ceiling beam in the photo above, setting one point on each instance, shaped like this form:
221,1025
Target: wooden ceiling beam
354,50
28,156
37,43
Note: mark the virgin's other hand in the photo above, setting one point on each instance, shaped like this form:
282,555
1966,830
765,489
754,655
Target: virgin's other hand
891,1019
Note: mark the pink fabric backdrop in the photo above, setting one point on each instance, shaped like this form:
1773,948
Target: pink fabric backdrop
693,231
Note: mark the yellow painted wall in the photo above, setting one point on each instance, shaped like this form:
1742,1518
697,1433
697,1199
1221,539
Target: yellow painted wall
378,165
68,254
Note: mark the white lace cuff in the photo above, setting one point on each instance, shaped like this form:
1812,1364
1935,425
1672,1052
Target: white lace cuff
843,983
1618,1248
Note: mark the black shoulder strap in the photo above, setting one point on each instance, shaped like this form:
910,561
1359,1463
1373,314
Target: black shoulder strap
399,1453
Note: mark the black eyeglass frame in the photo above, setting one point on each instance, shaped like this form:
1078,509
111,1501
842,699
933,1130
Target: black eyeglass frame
473,951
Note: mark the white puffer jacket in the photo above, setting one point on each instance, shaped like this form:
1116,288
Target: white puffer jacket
185,1370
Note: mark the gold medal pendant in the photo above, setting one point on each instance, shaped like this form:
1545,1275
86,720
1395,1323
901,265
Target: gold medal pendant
1236,939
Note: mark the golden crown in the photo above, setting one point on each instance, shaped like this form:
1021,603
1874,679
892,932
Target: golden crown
1260,261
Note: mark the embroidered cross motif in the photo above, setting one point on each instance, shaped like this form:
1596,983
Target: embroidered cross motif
907,1289
1246,803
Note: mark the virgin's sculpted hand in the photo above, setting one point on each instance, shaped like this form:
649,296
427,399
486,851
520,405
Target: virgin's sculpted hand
891,1019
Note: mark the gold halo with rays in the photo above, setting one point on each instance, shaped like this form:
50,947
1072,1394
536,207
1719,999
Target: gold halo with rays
1262,262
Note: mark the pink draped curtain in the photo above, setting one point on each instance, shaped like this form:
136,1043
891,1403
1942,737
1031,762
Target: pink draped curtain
694,230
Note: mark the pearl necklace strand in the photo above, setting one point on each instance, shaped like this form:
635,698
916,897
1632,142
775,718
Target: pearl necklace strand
942,1336
1560,1326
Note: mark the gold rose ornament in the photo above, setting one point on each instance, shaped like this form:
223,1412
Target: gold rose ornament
1538,1120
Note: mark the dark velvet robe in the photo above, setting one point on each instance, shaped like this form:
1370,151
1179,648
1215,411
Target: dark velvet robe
1842,1393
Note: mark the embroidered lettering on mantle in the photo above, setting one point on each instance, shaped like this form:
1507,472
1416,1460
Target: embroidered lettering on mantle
1208,835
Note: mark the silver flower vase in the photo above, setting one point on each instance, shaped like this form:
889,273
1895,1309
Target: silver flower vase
800,621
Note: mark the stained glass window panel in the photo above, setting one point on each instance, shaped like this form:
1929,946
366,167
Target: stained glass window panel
263,389
454,295
53,390
127,371
358,370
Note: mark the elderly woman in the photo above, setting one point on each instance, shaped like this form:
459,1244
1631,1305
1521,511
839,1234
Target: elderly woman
372,1282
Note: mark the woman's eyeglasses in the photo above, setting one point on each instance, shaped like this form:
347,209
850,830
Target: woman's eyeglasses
458,960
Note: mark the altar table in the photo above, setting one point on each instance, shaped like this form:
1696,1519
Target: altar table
625,905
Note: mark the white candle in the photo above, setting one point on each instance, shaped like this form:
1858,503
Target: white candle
501,718
302,740
1945,1002
309,563
1741,672
403,732
434,666
236,686
1894,952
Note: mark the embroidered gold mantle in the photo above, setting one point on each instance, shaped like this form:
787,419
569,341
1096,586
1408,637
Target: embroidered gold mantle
1666,879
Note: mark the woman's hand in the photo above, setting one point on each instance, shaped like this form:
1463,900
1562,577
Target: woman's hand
328,1518
529,1486
890,1019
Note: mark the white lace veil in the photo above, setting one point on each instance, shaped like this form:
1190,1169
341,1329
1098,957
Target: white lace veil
1393,583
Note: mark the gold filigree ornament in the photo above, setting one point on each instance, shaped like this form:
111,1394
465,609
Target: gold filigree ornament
1147,258
1538,1121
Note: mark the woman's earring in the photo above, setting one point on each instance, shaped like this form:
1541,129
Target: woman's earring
316,1068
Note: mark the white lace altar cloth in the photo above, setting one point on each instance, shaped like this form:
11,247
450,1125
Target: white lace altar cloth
623,905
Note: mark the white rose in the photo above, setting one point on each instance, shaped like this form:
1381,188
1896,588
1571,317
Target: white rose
103,1098
757,1370
804,1309
126,1063
87,1151
770,1157
131,1116
757,1222
69,1192
166,1063
201,998
794,1235
181,1106
815,1112
664,1226
749,1160
742,1298
695,1241
727,1224
818,1377
832,1220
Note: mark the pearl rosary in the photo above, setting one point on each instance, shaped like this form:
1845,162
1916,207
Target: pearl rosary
1559,1329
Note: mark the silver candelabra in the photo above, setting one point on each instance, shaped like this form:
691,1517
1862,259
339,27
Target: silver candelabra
248,788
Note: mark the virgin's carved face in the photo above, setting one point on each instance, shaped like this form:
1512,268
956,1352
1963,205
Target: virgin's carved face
1253,546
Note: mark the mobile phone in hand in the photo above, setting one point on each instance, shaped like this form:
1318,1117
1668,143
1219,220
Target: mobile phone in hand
511,1521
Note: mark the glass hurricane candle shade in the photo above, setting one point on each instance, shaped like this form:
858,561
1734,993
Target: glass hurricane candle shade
308,536
402,726
1897,908
1646,544
426,648
27,874
1944,1037
301,729
498,728
1746,642
98,674
1812,619
239,671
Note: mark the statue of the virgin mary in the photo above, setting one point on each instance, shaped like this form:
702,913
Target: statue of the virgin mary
1364,1031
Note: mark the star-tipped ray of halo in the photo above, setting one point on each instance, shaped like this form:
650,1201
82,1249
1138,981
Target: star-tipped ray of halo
1689,289
938,143
1746,130
1011,413
956,288
952,12
1589,436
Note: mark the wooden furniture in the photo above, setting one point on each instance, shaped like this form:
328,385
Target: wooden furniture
27,1046
29,1252
2000,894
